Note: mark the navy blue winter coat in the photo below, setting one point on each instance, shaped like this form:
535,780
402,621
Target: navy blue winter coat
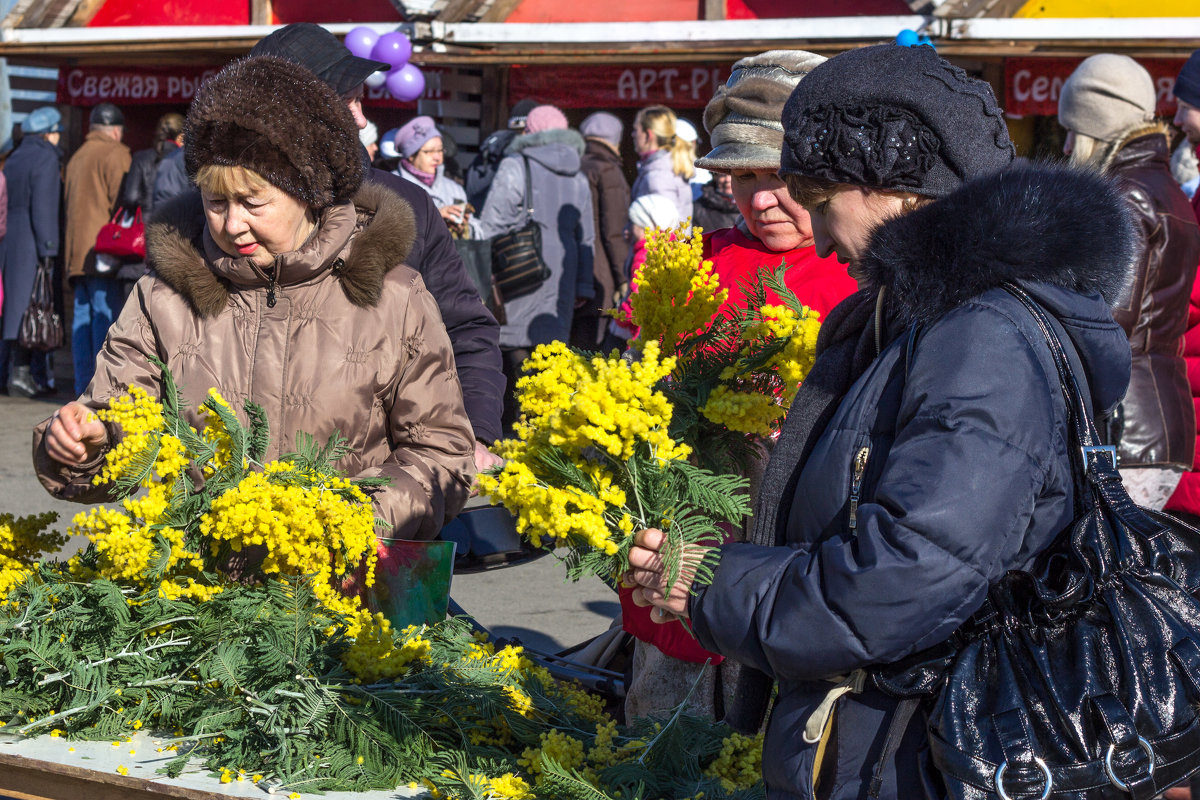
34,194
957,452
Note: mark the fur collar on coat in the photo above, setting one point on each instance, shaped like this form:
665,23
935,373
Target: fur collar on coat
382,237
1058,225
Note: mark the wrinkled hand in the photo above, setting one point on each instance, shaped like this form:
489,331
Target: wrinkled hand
452,213
648,577
75,435
484,459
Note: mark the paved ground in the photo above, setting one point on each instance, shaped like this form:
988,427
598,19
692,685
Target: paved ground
531,601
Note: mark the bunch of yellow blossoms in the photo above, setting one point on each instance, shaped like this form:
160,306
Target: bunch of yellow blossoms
599,413
310,524
677,292
755,394
21,542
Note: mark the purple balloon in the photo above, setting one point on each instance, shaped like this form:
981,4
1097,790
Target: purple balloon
393,48
361,40
406,83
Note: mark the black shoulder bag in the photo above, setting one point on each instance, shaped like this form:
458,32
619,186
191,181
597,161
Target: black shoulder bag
41,326
1080,677
517,264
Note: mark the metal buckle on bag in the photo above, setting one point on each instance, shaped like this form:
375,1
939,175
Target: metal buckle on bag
1108,767
1041,765
1091,450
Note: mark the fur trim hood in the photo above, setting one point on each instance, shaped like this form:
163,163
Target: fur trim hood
382,233
1062,226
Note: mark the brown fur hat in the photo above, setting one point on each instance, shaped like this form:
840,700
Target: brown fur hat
743,116
278,119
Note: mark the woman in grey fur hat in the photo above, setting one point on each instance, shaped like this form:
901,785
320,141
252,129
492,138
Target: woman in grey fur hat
926,453
282,282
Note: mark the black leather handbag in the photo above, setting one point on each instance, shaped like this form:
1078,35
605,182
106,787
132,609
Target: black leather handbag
517,264
41,325
1080,677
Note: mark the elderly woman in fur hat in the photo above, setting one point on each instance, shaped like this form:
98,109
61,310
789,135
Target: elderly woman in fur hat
926,454
282,282
1107,106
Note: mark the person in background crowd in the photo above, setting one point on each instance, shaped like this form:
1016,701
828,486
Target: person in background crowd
422,158
961,434
716,207
387,159
1187,113
171,178
92,187
369,136
700,176
138,191
472,328
450,166
602,135
742,120
34,184
144,165
482,170
284,223
1107,106
562,208
666,161
1185,502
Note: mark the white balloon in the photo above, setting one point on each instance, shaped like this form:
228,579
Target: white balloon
376,79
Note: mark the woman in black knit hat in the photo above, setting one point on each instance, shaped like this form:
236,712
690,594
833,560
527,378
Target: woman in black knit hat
282,282
925,455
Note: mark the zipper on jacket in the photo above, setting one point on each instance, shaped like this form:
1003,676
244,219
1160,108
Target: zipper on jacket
860,469
271,286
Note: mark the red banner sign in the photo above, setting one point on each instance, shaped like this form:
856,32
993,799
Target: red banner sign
87,86
603,86
1032,85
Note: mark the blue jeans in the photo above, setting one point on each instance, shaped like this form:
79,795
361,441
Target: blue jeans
98,303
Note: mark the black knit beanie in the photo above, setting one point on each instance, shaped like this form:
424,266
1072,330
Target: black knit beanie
281,121
1187,85
893,117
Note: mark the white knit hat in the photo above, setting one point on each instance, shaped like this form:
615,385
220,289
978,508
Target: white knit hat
654,211
1106,96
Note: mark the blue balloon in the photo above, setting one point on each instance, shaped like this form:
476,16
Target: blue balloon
907,38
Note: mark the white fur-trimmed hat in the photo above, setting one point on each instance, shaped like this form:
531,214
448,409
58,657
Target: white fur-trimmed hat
742,119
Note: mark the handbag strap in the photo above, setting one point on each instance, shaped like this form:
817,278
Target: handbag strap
1087,438
528,205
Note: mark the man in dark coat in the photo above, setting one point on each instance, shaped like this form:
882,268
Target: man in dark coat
34,192
601,163
474,333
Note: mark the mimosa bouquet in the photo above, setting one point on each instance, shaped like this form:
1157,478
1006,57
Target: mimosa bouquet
656,437
272,672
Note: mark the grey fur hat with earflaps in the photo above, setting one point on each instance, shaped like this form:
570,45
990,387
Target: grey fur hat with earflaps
743,117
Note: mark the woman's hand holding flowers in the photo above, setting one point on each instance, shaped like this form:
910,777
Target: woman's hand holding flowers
648,575
75,435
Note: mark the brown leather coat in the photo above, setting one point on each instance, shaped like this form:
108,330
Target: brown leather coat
354,343
1159,422
91,187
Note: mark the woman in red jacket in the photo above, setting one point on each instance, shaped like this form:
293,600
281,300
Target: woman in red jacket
743,122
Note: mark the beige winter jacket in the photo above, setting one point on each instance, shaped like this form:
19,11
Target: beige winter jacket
354,343
91,187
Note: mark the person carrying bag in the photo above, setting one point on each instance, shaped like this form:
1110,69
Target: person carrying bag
517,264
